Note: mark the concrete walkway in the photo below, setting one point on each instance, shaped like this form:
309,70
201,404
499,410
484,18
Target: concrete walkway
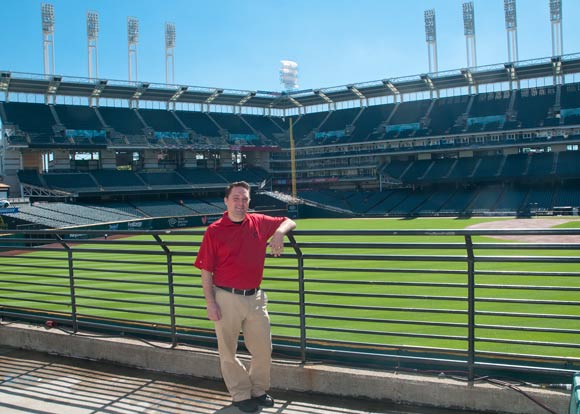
38,383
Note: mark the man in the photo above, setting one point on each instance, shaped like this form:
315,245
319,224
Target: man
231,259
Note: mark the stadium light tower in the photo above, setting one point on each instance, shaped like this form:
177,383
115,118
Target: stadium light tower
47,14
556,20
511,28
469,31
92,37
431,37
132,40
169,49
289,74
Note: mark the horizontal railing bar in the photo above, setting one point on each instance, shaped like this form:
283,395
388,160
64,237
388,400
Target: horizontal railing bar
526,246
120,271
18,283
378,245
531,343
31,266
49,302
386,270
135,302
36,275
134,282
28,292
406,232
529,301
140,312
527,315
380,283
384,295
389,309
526,273
113,261
381,333
402,258
385,321
528,259
528,287
29,257
527,329
125,292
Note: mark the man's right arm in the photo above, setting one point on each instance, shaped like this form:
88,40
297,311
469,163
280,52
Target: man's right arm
213,309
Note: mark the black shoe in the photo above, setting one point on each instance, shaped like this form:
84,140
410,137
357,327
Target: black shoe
247,406
264,400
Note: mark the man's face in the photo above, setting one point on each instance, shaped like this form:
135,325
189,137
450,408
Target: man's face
237,203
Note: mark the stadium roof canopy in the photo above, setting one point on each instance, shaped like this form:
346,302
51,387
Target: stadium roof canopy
14,82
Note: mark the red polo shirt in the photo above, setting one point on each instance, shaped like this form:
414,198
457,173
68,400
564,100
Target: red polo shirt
235,252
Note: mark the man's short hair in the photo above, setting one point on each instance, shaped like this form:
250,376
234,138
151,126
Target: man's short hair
237,184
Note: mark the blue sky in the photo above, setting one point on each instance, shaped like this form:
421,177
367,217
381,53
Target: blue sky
238,44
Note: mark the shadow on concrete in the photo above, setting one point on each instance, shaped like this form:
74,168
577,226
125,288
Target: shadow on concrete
38,383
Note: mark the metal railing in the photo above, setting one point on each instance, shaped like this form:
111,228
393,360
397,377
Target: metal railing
445,300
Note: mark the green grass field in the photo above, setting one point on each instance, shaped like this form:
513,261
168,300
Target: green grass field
377,302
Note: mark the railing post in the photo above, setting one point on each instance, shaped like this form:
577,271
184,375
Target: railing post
470,309
301,297
71,278
169,256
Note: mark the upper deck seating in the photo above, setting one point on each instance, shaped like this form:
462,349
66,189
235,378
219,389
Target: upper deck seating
369,120
445,112
533,104
234,124
410,112
199,122
123,120
306,124
78,117
161,120
338,120
265,125
33,118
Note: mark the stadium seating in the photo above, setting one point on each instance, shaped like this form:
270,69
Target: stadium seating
161,120
123,120
199,122
78,117
445,113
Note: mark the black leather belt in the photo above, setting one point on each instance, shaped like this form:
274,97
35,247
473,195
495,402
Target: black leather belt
243,292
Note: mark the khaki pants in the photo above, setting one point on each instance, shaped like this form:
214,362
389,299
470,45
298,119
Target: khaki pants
249,314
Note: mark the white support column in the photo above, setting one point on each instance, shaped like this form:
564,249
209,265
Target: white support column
431,37
47,15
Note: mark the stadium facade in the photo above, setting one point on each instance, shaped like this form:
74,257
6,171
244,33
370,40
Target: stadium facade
500,139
